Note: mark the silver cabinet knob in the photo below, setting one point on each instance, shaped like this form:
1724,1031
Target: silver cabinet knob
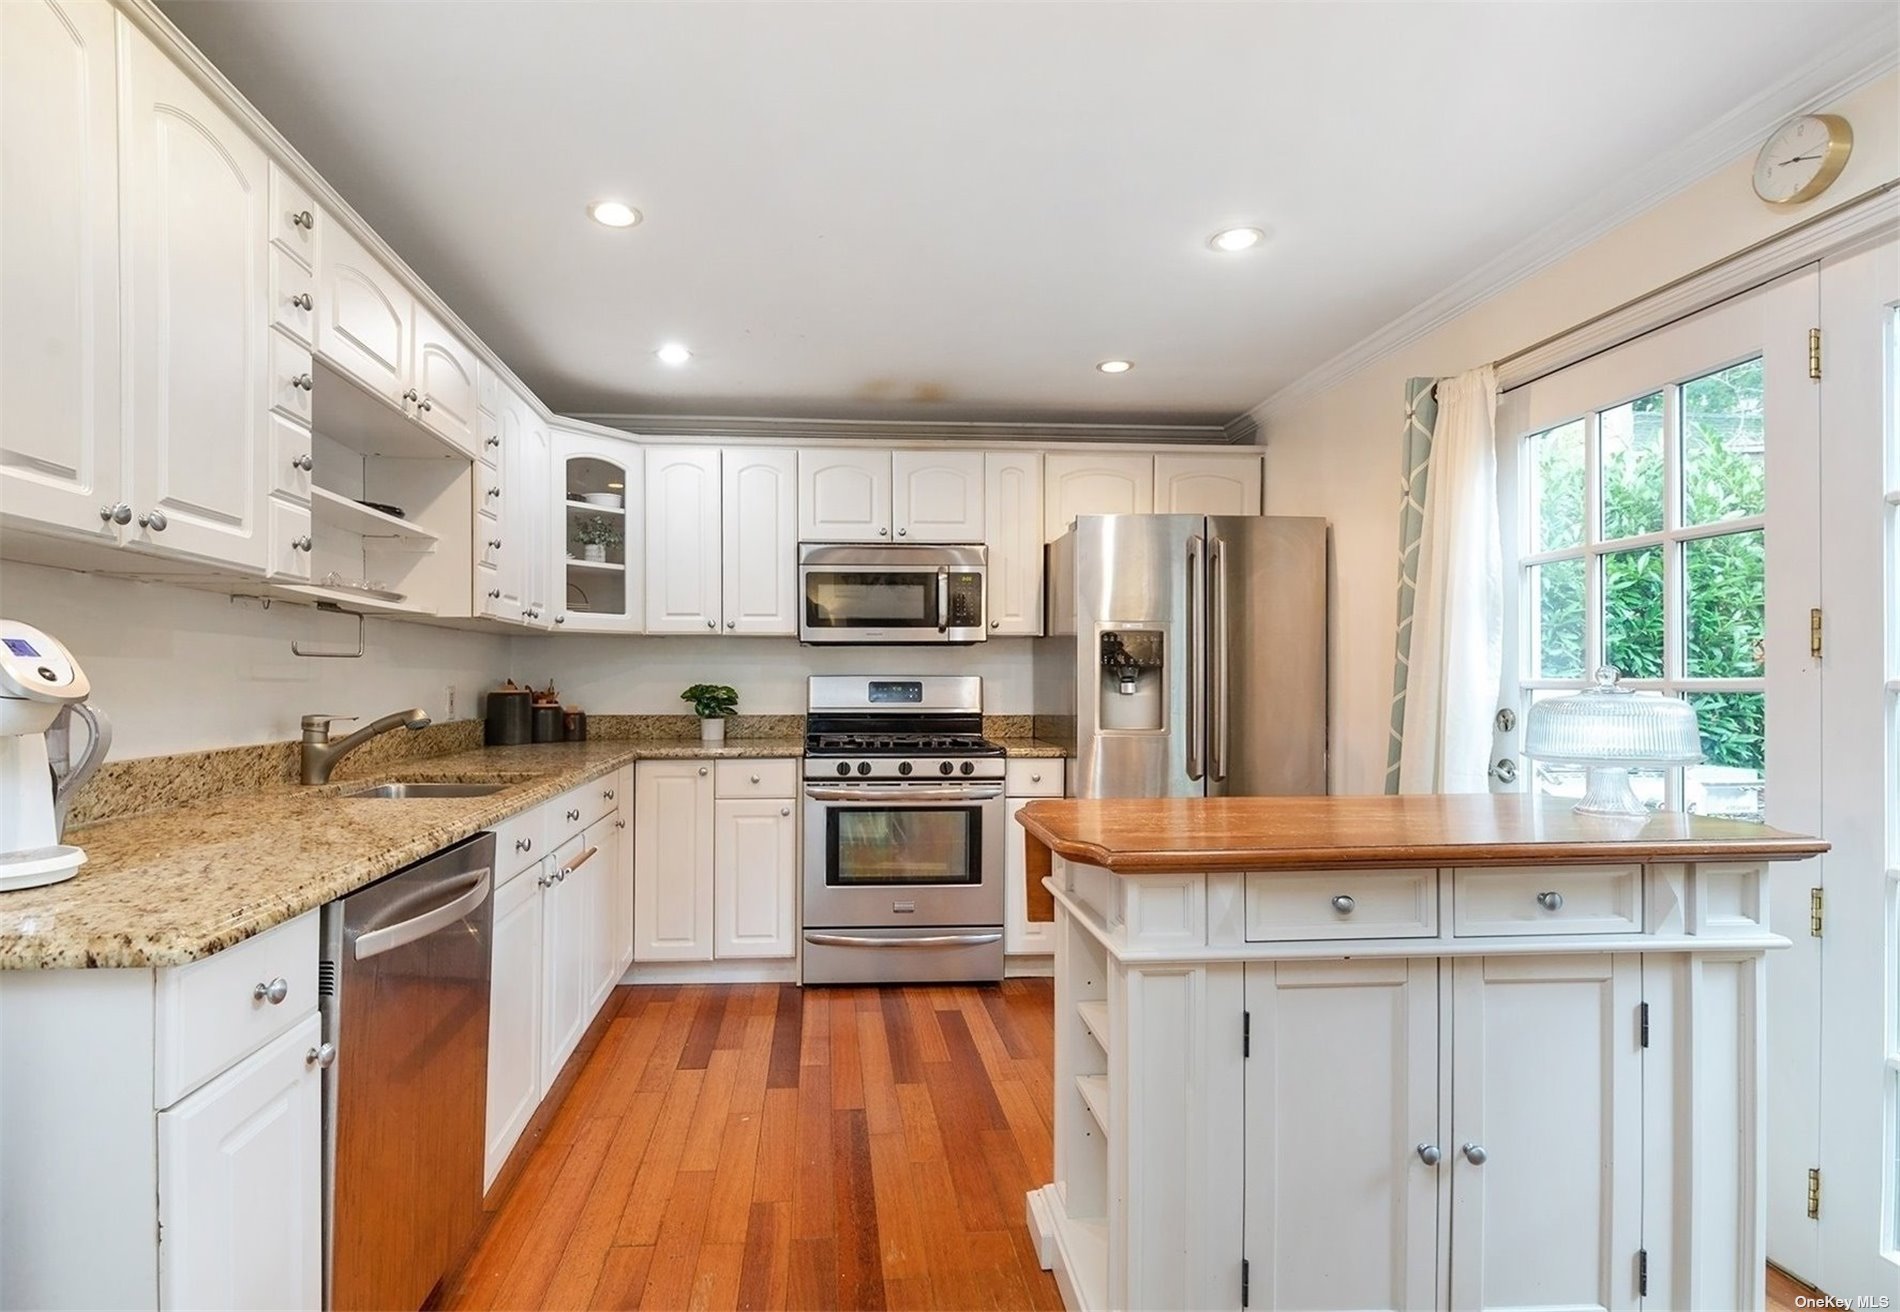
494,544
607,793
543,881
620,824
574,813
996,624
323,1056
494,594
1428,1153
304,463
785,810
1551,901
712,624
303,219
1344,904
426,405
702,771
304,381
155,521
524,845
303,301
903,532
494,491
116,513
494,439
561,618
883,532
755,778
732,624
274,992
1474,1153
302,543
412,396
1035,778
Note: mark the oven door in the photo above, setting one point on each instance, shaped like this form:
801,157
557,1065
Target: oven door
891,595
903,854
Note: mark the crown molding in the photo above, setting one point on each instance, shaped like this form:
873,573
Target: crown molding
886,431
1825,79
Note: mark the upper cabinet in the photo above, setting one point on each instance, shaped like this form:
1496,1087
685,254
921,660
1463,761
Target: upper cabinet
1094,483
759,504
1012,501
722,542
1208,484
683,540
844,495
60,449
600,484
937,496
444,381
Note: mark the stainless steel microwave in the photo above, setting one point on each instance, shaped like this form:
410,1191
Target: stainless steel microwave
889,594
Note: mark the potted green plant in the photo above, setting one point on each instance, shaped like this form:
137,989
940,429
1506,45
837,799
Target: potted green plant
712,703
596,533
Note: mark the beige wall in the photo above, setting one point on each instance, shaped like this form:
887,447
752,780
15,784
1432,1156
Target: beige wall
1336,452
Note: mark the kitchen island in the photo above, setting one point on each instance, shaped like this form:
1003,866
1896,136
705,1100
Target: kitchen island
1404,1052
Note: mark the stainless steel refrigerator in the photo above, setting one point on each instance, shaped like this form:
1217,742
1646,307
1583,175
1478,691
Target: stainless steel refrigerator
1187,655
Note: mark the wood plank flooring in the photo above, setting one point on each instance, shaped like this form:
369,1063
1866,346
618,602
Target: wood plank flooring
765,1146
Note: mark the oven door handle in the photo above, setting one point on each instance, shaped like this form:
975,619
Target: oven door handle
925,941
904,794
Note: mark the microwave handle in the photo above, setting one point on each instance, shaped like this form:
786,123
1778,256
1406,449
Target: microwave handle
943,599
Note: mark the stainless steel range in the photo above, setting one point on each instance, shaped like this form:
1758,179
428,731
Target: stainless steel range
904,831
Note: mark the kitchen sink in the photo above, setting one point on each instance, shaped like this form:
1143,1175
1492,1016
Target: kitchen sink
398,792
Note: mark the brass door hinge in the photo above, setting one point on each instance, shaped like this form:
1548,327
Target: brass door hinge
1814,633
1814,1193
1814,912
1814,353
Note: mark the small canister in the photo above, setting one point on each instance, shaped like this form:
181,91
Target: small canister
507,718
574,725
547,722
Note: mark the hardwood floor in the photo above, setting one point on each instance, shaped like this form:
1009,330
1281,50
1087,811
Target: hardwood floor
765,1146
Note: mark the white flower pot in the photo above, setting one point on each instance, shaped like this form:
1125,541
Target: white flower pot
594,551
712,731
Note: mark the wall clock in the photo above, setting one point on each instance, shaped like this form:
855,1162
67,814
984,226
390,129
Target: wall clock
1802,158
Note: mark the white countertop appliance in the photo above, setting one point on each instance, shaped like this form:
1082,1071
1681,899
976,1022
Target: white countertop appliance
42,690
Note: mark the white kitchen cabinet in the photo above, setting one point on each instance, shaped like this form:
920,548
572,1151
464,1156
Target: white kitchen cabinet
937,496
240,1197
531,511
683,574
514,1018
603,596
60,368
198,242
755,878
759,516
1208,484
673,861
1012,518
1546,1203
566,953
844,495
620,904
365,316
1027,778
443,374
1342,1091
1094,483
600,846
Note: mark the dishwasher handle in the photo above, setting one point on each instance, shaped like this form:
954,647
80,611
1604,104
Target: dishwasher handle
471,894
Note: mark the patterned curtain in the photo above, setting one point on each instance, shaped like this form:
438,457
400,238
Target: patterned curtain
1415,455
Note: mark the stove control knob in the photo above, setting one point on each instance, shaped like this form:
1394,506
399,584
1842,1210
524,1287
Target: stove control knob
864,767
903,767
844,767
945,767
967,767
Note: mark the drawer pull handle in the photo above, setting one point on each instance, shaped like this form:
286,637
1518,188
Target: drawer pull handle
574,813
620,824
755,778
323,1056
1035,778
1344,904
702,772
524,845
785,810
303,302
1474,1153
608,793
303,219
1428,1153
1551,901
274,992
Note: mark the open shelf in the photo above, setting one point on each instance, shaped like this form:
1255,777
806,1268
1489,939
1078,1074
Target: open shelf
602,566
327,507
369,423
598,510
349,600
1094,1091
1095,1020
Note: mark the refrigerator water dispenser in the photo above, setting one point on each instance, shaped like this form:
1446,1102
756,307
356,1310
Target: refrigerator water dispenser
1133,675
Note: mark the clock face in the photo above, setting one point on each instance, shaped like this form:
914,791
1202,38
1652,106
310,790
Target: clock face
1802,158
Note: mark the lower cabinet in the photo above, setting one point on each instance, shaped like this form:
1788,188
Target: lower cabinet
240,1183
755,845
672,860
564,957
514,1018
1028,778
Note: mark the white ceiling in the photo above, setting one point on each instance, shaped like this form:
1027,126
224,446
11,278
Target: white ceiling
938,211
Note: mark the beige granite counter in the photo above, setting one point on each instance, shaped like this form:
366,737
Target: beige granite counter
168,887
1034,747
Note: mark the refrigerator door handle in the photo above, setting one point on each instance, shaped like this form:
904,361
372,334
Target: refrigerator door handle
1219,658
1197,657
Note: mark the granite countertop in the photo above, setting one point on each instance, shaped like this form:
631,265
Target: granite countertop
169,887
1030,747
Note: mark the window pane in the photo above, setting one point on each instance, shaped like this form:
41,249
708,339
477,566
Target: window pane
1730,780
1557,611
1557,487
1723,438
1632,452
1633,612
1723,628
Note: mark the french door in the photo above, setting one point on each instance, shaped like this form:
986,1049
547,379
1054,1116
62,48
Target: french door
1661,506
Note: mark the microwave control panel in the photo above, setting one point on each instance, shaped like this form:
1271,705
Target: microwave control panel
966,601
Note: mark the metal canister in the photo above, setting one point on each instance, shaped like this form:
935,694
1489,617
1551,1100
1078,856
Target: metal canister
574,725
507,719
547,722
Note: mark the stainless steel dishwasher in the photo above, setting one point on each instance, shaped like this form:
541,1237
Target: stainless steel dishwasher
404,996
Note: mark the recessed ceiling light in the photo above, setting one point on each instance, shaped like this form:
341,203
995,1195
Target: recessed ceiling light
1236,239
614,214
615,487
673,353
1116,366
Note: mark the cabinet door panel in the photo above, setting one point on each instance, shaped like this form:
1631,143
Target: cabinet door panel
672,861
1342,1087
564,963
683,575
514,1018
1021,935
196,208
59,266
1094,484
240,1184
1208,484
760,505
844,496
620,905
603,596
365,317
596,880
1547,1080
755,878
937,496
445,381
1012,514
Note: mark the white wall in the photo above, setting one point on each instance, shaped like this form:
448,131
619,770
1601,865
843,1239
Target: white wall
643,676
1336,452
179,670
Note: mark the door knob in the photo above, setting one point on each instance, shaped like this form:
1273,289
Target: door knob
903,532
785,810
1505,771
702,772
301,543
302,301
116,513
883,532
712,624
996,624
1344,904
304,463
494,440
426,405
1428,1153
323,1056
274,992
732,624
303,219
1474,1153
412,396
304,381
155,521
1551,901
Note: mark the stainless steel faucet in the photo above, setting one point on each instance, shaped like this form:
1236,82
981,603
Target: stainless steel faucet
320,755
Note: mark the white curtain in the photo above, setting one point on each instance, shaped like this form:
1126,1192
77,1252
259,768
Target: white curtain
1458,618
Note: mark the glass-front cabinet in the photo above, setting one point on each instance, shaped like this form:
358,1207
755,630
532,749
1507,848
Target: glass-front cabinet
597,533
